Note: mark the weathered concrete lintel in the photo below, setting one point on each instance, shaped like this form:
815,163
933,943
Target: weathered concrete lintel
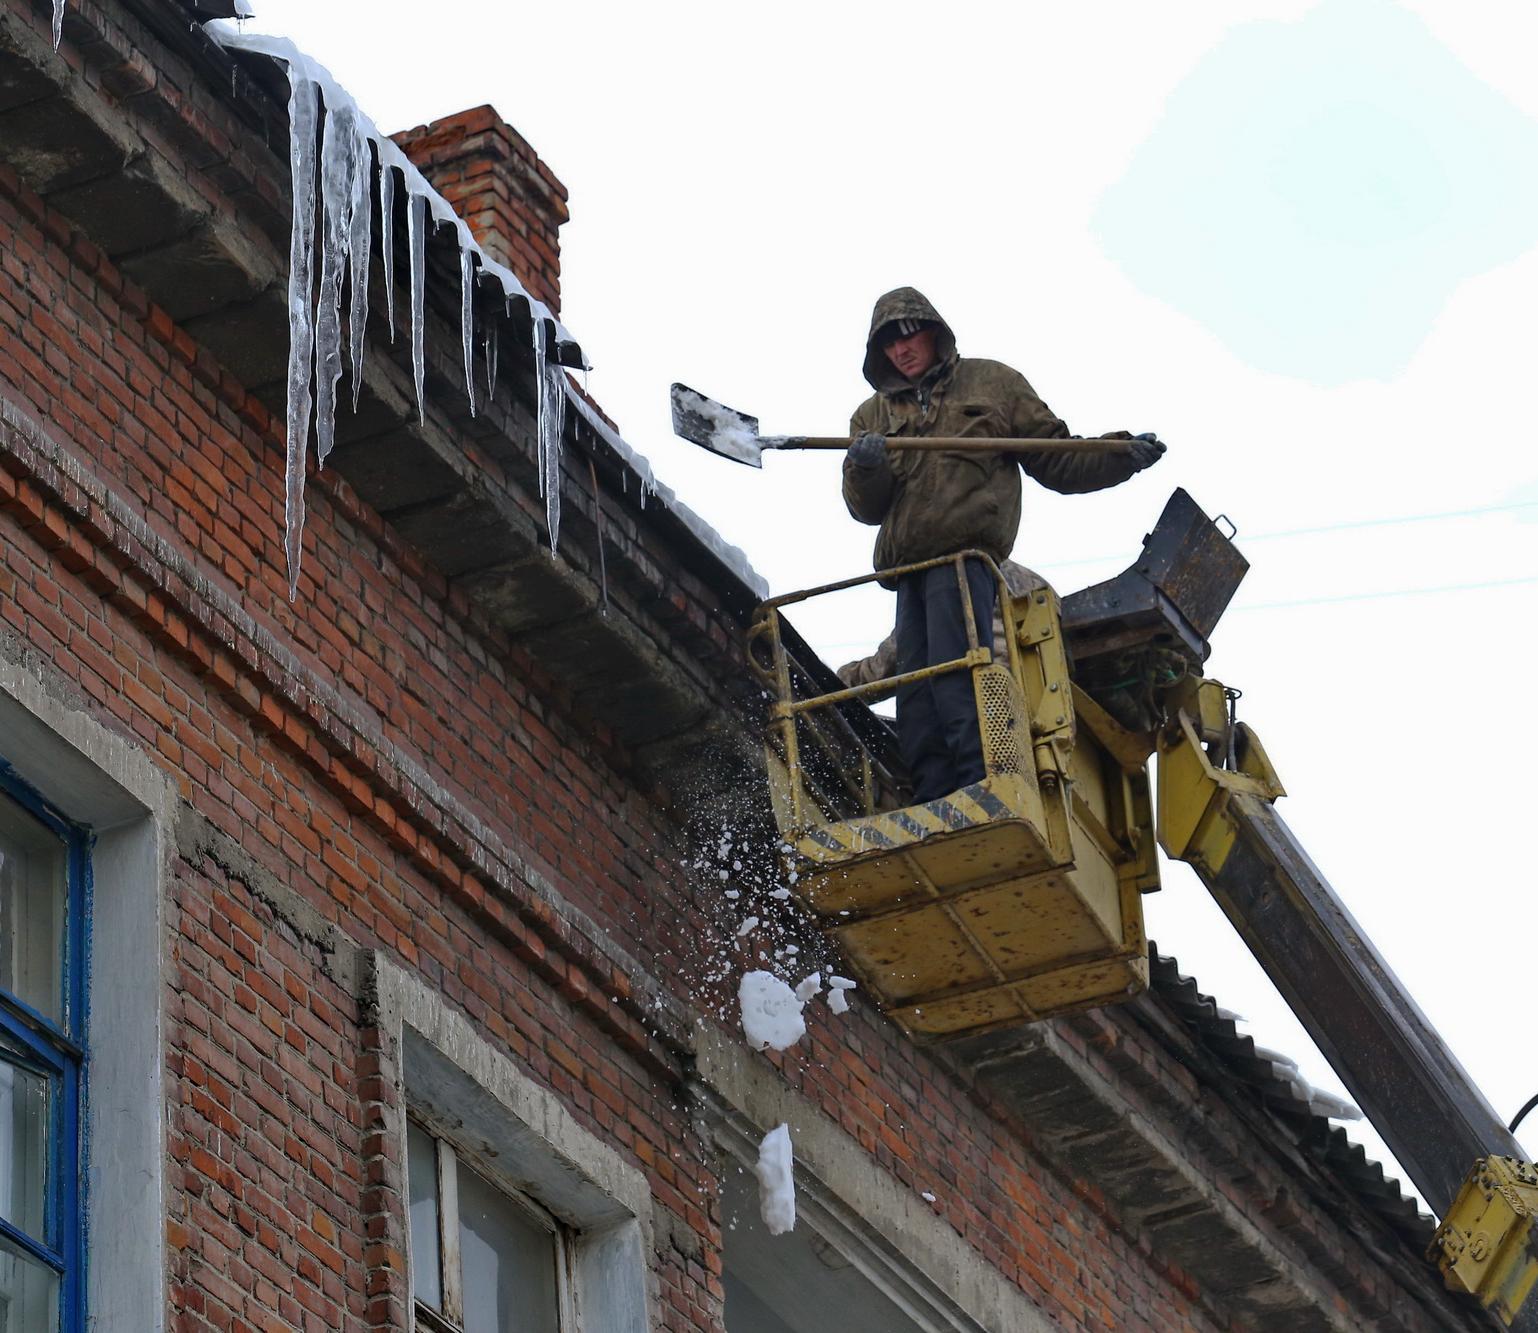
916,1257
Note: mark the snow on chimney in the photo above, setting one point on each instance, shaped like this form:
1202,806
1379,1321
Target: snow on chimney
496,182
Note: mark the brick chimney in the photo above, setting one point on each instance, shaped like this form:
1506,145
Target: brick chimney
496,182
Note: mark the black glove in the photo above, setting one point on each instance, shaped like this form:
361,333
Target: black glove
868,451
1145,450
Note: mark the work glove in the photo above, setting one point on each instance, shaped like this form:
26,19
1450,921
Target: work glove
869,451
1145,450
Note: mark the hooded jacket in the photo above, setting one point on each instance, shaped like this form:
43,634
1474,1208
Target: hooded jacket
931,503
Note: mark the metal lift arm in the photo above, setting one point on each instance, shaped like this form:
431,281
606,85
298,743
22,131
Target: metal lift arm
1221,821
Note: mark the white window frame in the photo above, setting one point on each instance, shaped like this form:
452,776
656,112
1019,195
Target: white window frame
453,1080
447,1157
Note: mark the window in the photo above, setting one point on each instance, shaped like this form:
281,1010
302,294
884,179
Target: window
484,1259
43,891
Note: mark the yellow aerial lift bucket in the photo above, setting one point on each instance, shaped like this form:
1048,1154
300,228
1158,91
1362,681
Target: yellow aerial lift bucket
1008,901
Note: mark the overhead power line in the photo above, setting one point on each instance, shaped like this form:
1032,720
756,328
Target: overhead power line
1390,592
1388,522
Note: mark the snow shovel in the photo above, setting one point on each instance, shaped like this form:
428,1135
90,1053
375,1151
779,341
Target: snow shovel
732,434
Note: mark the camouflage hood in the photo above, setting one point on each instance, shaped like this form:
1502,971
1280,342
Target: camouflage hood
904,303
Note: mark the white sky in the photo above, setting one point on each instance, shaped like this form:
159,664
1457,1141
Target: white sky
1297,240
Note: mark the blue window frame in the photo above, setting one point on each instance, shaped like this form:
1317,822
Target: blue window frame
45,870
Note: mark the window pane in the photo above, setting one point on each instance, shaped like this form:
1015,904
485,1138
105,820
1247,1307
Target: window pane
32,869
23,1148
29,1293
422,1178
508,1261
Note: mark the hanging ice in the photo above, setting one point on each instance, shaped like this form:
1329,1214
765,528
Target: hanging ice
775,1170
360,241
58,23
387,239
467,319
302,114
550,420
416,242
340,177
352,145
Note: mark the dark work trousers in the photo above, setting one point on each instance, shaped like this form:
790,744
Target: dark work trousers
937,718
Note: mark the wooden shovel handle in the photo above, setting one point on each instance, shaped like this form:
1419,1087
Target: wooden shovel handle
963,444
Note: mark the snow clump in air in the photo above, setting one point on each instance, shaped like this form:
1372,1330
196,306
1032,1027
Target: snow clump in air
838,1001
776,1184
771,1012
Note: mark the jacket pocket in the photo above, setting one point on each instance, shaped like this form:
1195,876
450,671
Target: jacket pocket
981,419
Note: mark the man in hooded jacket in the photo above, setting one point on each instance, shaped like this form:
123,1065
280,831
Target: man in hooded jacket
931,503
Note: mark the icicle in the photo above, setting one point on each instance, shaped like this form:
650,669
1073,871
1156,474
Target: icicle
552,422
360,240
387,238
467,315
58,23
416,236
338,172
549,422
302,115
491,360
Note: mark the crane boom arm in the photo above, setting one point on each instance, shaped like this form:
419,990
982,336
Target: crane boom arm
1221,821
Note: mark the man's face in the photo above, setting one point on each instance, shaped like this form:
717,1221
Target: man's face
914,355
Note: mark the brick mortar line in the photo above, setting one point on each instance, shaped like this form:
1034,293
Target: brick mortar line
131,547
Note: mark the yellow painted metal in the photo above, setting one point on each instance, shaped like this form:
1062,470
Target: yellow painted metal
1482,1245
1194,791
1011,900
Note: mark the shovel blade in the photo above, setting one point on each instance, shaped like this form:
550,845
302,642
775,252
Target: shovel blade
716,427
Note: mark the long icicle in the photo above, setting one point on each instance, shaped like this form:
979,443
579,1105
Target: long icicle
58,23
491,359
416,236
467,315
387,238
539,400
338,167
360,242
302,115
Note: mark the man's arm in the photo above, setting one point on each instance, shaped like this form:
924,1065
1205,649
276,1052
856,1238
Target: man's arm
1070,472
878,666
867,487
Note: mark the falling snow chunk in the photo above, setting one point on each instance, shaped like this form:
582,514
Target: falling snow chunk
750,924
771,1013
838,1000
809,986
781,893
927,1197
776,1181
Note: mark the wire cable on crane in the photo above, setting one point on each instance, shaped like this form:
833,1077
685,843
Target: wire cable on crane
1528,1106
